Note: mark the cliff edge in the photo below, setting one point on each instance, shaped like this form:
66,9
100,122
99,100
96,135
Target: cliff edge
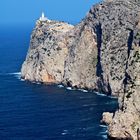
101,53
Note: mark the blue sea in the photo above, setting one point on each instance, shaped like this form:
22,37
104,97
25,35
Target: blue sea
30,111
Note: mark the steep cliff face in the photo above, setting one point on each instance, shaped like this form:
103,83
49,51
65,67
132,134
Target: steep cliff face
100,63
47,52
126,121
80,64
100,53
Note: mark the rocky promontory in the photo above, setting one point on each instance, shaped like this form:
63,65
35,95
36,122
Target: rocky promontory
47,53
101,53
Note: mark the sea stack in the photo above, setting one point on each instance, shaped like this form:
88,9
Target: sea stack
100,53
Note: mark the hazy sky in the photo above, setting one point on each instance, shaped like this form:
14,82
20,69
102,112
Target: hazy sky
27,11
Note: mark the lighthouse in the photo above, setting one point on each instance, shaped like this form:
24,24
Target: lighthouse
43,15
43,18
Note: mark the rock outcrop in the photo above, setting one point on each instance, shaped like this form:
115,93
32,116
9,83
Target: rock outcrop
47,53
101,53
81,61
126,122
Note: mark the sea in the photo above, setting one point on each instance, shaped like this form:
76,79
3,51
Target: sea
34,111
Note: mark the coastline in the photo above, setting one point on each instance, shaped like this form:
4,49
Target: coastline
101,52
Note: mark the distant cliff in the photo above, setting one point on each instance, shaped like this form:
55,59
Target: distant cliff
101,53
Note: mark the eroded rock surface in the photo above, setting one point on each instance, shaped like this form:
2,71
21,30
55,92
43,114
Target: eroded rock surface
47,53
80,65
101,53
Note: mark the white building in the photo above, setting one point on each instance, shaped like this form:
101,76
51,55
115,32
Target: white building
43,18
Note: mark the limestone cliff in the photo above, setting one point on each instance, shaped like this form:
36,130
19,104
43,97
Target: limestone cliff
101,53
47,52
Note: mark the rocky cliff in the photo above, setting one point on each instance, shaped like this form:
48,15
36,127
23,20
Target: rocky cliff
101,53
47,53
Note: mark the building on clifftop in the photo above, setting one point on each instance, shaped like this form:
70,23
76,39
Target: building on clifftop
43,18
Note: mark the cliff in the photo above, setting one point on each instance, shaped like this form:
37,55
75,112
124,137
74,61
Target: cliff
47,53
101,53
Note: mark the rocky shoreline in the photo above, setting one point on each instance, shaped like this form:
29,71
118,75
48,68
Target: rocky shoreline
101,53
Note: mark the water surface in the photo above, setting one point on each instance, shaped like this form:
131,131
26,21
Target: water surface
31,111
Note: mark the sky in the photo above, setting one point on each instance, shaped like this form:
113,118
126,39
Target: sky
18,12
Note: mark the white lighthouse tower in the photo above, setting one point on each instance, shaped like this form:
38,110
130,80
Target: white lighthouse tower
43,18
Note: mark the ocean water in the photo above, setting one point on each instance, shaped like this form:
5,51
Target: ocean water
30,111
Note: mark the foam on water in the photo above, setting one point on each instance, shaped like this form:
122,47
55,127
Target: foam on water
16,74
104,136
65,132
38,83
83,90
103,132
60,86
22,80
104,95
70,88
104,126
100,94
112,97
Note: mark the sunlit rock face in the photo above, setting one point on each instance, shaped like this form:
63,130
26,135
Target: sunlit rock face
126,122
80,64
101,53
47,52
